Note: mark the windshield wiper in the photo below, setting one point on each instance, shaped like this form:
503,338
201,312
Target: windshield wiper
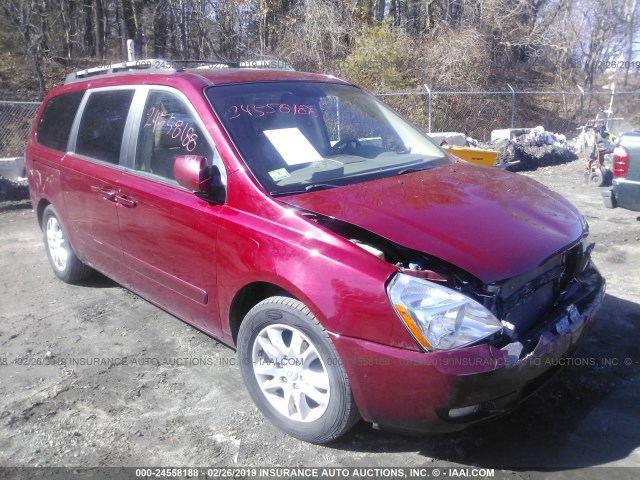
309,188
410,170
318,186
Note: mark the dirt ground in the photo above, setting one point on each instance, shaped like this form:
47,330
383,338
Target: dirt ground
93,375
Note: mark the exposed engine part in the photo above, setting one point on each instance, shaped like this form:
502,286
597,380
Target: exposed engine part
407,260
425,274
368,248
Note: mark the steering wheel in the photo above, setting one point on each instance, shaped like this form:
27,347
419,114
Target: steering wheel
347,143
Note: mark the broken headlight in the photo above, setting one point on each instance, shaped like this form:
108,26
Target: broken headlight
438,317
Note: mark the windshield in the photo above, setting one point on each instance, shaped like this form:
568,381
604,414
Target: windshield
301,136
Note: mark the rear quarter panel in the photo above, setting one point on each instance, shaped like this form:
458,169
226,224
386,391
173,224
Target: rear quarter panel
632,144
43,174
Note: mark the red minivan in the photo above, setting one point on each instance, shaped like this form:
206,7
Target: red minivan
359,270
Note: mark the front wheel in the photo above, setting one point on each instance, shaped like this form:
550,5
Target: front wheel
66,265
597,178
293,373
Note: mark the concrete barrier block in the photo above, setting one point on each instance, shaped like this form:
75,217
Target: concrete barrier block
12,168
454,139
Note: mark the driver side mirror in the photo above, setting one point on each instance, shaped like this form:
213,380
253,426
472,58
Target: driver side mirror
193,173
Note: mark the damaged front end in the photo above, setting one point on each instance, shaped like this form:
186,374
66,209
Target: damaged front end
493,345
503,373
524,304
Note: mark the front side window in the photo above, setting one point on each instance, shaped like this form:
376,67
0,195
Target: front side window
102,125
300,136
56,121
168,129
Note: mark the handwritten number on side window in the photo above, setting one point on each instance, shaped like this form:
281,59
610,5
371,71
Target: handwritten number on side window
178,129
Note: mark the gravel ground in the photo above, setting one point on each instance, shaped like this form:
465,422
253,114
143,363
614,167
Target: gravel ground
93,375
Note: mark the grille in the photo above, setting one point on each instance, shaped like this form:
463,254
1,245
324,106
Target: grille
527,300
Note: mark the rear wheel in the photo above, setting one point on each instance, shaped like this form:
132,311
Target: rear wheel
293,372
62,258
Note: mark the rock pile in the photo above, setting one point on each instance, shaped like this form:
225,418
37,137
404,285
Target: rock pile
532,149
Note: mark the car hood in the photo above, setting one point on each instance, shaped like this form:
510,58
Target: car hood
491,223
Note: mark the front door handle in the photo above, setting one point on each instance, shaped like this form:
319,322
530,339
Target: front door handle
126,200
106,191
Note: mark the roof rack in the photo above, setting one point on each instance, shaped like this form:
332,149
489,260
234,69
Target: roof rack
152,64
158,65
257,64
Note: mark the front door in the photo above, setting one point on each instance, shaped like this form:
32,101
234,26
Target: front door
169,234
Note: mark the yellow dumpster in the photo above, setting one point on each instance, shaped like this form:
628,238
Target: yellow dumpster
486,158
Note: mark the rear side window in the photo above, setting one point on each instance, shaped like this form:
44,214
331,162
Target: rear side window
56,121
102,125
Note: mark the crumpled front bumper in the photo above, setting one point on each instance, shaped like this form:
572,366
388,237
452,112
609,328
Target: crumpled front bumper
446,391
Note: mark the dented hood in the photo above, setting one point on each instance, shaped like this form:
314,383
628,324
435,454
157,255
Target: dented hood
491,223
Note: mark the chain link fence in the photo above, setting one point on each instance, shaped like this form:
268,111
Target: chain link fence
476,114
16,119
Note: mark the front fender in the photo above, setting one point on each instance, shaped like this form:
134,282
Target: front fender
343,285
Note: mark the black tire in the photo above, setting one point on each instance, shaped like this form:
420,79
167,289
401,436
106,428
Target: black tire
63,260
326,413
608,177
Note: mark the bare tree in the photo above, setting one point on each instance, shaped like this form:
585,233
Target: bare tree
321,34
66,15
631,24
97,9
462,42
23,14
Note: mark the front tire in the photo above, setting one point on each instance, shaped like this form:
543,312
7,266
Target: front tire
293,373
64,262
